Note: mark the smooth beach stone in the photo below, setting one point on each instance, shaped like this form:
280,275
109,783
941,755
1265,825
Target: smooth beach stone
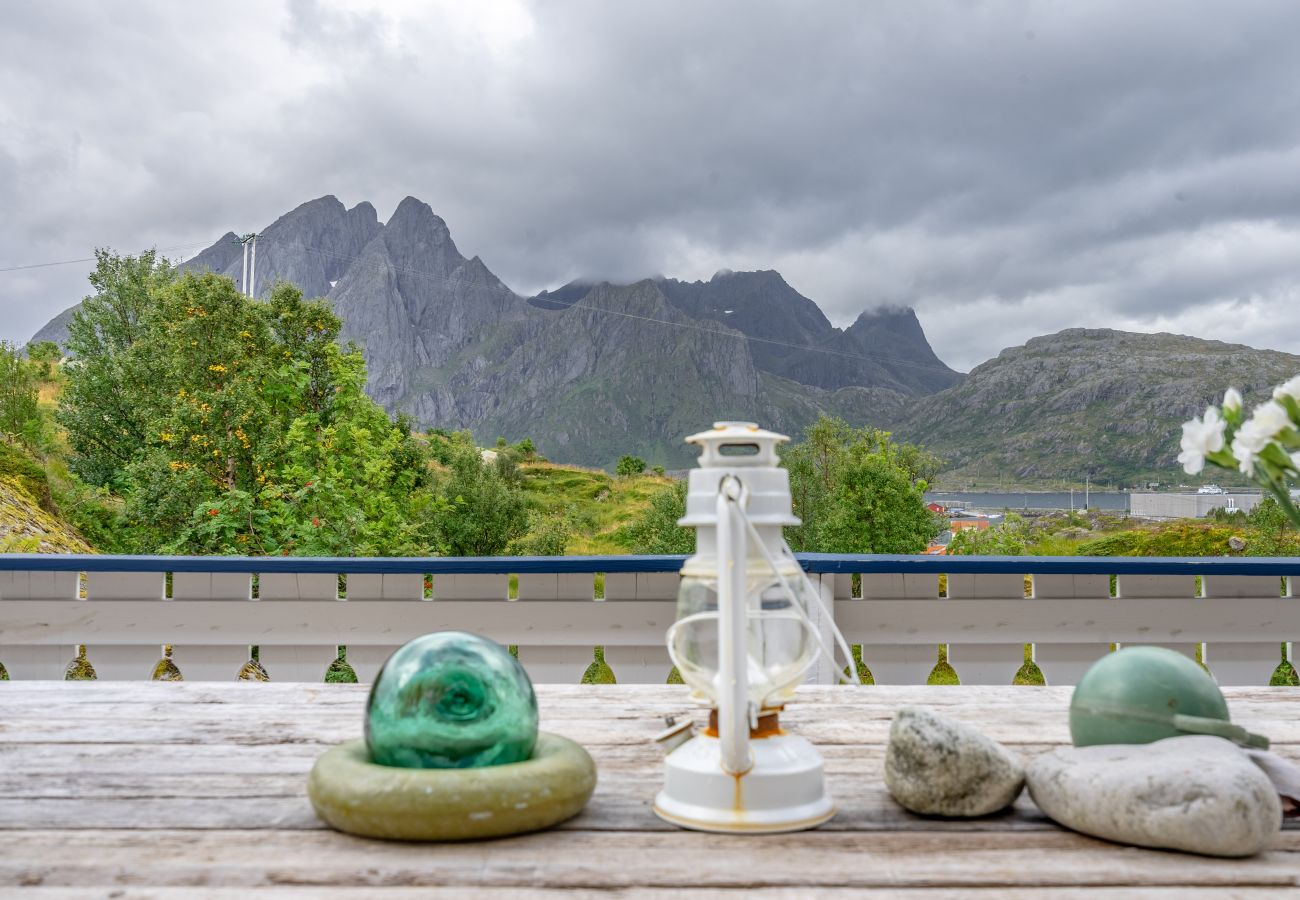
1195,793
451,700
941,767
354,795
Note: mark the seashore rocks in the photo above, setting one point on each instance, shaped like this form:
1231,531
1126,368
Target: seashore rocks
941,767
1195,793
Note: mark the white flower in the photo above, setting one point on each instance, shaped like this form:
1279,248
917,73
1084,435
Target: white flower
1288,389
1201,436
1231,400
1261,429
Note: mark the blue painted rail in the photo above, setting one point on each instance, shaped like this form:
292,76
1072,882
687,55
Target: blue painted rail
815,563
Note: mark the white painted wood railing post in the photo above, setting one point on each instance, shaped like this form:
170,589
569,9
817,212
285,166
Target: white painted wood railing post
1180,588
1242,662
1062,660
986,662
646,603
892,658
822,615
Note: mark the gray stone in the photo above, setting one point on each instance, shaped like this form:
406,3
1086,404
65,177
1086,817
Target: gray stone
939,766
1195,793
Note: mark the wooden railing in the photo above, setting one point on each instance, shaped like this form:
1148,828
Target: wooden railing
1238,615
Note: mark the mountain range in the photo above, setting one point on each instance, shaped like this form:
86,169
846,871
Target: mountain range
593,370
589,371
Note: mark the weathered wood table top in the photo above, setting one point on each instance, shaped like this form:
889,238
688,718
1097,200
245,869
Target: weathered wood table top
153,790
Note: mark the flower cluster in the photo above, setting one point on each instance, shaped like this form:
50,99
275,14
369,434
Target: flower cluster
1264,447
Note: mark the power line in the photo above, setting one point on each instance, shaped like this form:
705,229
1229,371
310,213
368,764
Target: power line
86,259
388,266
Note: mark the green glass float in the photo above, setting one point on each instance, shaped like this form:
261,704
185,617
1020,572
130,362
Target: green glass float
451,751
1138,695
451,701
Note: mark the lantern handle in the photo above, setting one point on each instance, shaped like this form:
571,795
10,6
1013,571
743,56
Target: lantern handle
798,607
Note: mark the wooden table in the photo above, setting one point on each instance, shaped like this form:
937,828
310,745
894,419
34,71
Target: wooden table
153,790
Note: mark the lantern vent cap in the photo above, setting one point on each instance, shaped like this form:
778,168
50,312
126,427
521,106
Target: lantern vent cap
731,445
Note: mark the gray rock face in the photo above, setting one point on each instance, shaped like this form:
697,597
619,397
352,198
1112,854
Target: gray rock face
941,767
1194,793
591,371
884,348
1087,400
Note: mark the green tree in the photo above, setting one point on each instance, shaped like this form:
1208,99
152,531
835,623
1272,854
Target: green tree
480,507
245,426
630,465
856,491
111,393
45,355
20,412
656,530
1011,538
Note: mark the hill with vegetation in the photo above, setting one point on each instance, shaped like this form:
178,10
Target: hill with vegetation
1085,402
30,522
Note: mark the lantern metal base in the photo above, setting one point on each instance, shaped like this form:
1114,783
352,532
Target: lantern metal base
784,791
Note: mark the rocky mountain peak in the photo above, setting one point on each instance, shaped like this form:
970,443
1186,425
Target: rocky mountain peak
590,370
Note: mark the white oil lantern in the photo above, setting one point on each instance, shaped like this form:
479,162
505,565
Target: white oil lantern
742,642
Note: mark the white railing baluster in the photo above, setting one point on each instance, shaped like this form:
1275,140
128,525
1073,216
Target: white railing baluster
866,622
1179,588
647,613
1239,662
986,662
197,658
1061,660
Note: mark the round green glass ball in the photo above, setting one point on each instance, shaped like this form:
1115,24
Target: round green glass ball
451,700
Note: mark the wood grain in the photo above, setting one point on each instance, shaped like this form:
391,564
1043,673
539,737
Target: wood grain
142,790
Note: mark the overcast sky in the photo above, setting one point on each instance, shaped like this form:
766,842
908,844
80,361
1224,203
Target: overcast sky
1007,168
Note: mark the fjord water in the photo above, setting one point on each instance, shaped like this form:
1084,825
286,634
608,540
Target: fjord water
993,501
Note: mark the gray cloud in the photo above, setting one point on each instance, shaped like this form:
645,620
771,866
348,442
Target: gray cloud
1009,168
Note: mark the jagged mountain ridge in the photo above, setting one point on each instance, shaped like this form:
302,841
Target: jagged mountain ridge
789,336
1084,402
632,370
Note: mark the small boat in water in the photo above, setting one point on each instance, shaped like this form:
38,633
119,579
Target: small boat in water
1210,489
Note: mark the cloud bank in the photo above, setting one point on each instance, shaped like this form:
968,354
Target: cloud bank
1008,168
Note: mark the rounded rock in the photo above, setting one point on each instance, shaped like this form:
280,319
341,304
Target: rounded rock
941,767
1195,793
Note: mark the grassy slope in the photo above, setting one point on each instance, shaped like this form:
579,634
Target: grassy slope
27,522
597,503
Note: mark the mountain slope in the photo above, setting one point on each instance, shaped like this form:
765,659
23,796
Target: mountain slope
790,337
1086,401
628,369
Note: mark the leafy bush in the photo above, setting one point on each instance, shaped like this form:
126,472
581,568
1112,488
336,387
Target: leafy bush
20,413
856,491
630,465
656,530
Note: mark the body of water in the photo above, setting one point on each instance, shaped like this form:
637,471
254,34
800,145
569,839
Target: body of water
992,501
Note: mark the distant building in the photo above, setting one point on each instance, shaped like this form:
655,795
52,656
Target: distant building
979,524
1189,505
